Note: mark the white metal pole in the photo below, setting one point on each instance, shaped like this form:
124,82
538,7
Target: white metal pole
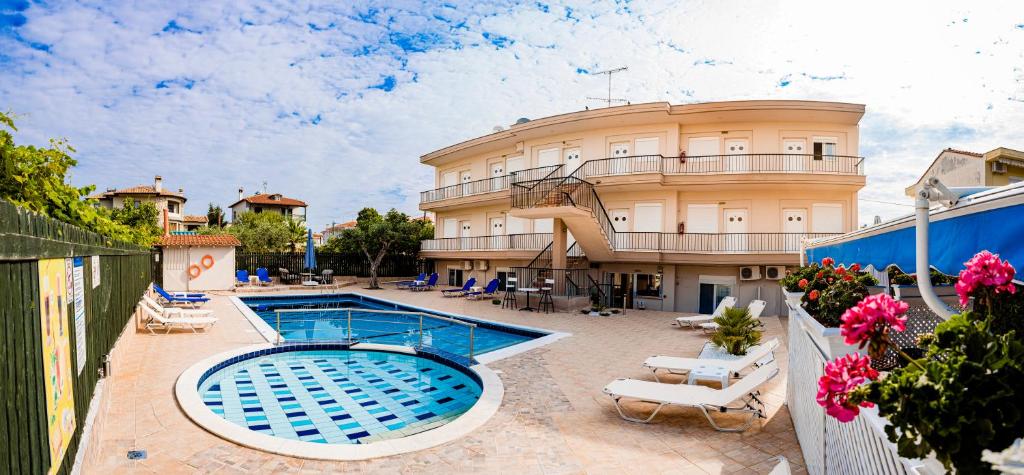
924,281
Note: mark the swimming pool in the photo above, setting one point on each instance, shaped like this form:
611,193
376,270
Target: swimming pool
325,318
339,396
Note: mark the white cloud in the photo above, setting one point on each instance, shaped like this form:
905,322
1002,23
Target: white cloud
236,94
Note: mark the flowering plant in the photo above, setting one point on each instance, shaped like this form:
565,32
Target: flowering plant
793,279
830,290
963,396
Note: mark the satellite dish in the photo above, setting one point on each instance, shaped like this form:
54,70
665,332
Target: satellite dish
522,120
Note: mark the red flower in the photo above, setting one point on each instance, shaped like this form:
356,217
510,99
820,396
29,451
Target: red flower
802,284
848,278
842,376
855,267
813,295
828,261
841,270
820,274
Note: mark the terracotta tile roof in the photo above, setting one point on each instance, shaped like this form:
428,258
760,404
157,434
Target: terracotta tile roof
137,190
341,226
216,240
962,152
195,218
269,199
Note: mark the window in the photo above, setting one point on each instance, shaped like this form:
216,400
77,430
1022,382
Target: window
824,147
258,209
172,207
712,290
454,276
503,276
648,285
138,203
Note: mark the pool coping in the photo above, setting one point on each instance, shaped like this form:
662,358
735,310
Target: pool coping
186,391
271,335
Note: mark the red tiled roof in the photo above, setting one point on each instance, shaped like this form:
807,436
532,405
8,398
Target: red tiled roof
137,190
195,218
216,240
341,226
963,152
266,199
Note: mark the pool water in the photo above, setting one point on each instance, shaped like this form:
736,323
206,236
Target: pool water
339,396
325,318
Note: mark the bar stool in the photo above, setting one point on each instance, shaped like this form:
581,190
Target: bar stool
510,293
547,304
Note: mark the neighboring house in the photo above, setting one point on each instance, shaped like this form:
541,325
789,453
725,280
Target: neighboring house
998,167
194,221
172,201
660,206
335,230
269,203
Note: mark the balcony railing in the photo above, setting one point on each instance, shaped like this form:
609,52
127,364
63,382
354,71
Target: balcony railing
713,243
723,165
504,242
487,185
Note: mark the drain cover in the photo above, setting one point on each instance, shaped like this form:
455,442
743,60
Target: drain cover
136,455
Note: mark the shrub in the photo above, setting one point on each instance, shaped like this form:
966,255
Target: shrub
791,282
898,277
737,331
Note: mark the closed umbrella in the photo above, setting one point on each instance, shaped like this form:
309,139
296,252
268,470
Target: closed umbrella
310,252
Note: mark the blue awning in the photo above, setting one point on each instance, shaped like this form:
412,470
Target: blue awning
992,220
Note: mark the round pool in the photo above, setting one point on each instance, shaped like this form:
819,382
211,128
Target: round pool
336,402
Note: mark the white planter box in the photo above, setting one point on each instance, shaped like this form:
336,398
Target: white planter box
829,340
911,291
793,297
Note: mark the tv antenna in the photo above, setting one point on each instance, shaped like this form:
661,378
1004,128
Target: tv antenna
609,100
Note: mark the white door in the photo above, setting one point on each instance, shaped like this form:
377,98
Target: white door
702,155
736,228
826,218
449,180
465,177
544,225
648,218
466,235
620,219
497,169
795,155
794,225
620,149
572,159
548,157
498,239
451,228
738,151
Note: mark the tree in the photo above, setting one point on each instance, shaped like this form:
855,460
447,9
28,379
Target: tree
261,232
142,218
375,236
296,234
214,216
737,331
36,179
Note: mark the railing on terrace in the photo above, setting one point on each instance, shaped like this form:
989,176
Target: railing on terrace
486,185
723,164
389,327
713,243
568,282
504,242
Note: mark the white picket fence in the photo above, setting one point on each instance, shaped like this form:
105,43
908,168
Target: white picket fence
830,447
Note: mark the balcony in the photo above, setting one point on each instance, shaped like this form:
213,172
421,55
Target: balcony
485,186
507,242
717,243
762,163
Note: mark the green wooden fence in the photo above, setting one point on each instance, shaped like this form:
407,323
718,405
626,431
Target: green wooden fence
125,273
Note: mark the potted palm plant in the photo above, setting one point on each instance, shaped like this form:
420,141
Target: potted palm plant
737,331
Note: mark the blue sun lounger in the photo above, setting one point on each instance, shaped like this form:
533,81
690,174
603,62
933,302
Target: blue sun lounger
193,300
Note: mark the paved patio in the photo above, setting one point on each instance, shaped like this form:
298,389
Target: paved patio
553,419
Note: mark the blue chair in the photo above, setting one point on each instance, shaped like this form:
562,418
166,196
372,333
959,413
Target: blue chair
409,283
193,300
462,291
242,276
489,291
429,284
264,276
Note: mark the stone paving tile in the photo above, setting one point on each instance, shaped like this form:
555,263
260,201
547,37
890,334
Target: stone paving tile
554,419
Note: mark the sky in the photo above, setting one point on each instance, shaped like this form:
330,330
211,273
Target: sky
334,103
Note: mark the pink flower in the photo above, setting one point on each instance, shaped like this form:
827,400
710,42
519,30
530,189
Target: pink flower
802,284
985,270
828,261
813,295
871,319
842,376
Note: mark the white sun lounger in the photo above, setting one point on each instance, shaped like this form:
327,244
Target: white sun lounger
755,308
693,320
744,391
158,320
171,311
677,365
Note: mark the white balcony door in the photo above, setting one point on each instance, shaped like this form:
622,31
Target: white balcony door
738,150
465,177
514,225
549,157
648,218
451,228
449,179
572,159
795,159
620,219
465,235
794,224
827,218
497,171
498,239
701,155
736,229
619,150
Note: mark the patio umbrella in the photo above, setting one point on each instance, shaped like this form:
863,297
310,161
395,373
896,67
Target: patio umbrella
310,252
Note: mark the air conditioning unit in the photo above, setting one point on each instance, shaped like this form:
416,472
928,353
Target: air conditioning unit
774,272
998,167
481,265
467,265
750,273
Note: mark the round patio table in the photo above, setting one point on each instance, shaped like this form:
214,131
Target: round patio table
528,308
308,279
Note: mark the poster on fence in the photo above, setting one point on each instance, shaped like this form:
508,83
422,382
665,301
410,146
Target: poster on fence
60,402
79,293
95,264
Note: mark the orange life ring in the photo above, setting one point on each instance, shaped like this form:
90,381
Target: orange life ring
194,271
205,259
